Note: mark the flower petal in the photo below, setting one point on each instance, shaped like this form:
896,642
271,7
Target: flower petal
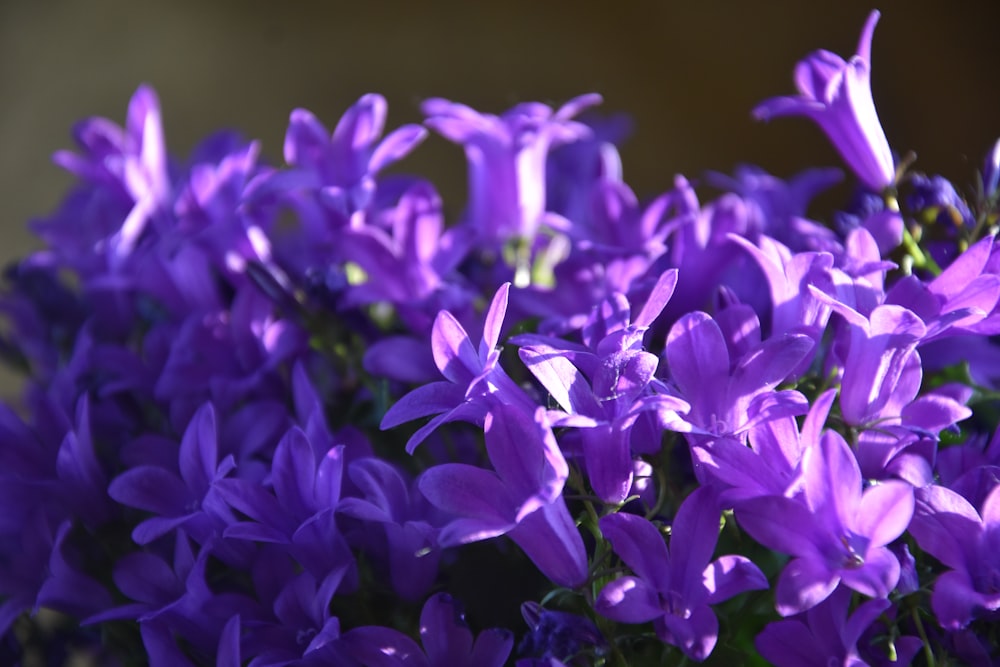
628,600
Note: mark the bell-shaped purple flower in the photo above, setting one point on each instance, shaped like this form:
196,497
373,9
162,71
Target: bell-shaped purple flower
604,391
391,503
521,497
126,166
300,511
472,376
837,96
675,589
507,156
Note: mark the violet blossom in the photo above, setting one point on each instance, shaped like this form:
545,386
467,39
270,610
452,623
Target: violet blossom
837,96
675,590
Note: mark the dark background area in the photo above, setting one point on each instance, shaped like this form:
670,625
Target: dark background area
688,73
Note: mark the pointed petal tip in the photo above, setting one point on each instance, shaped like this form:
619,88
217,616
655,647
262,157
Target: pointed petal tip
865,42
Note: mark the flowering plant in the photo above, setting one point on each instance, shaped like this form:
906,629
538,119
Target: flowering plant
658,430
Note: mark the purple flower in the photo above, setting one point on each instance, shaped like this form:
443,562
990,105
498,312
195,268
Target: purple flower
837,96
728,397
607,390
507,156
557,634
793,308
960,300
521,497
300,510
770,465
836,531
675,590
186,500
407,262
471,376
446,639
935,200
333,176
827,635
948,527
170,598
777,208
881,348
128,172
410,540
300,627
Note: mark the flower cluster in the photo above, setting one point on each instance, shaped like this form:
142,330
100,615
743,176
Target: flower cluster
298,415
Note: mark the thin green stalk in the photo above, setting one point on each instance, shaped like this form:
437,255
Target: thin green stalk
928,653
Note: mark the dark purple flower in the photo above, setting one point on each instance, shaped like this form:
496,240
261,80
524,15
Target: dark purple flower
300,627
410,540
171,598
186,498
521,498
776,207
700,246
794,309
934,200
827,634
837,96
675,590
557,634
410,259
574,171
444,634
299,509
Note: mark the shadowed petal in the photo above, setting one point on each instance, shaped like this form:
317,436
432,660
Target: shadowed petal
467,491
628,600
549,537
446,638
804,583
695,635
640,545
732,575
693,535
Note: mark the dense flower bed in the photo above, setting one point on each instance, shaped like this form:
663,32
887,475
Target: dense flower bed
718,431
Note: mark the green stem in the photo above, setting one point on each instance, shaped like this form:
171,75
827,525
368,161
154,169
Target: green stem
921,260
928,653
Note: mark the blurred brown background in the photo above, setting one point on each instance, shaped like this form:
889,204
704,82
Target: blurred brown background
689,73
